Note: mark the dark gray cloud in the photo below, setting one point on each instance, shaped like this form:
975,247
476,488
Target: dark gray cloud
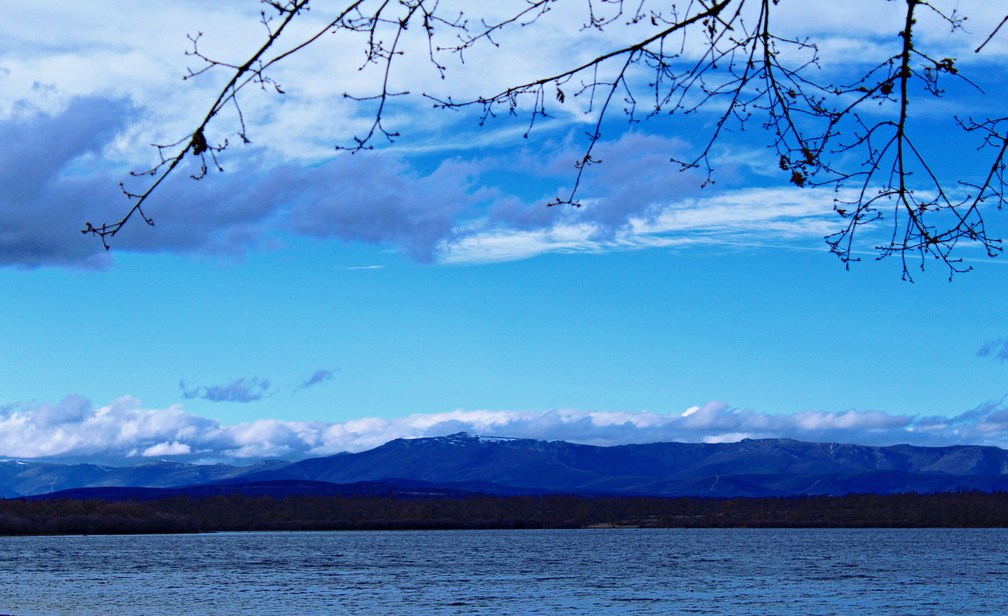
317,378
37,147
55,180
47,195
997,348
43,202
379,199
239,390
635,177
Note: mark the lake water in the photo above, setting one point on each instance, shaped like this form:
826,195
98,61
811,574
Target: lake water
738,572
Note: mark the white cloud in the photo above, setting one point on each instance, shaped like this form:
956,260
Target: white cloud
744,217
124,429
167,449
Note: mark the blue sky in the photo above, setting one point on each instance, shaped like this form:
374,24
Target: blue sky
306,301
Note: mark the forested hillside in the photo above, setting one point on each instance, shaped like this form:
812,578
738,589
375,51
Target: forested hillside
238,512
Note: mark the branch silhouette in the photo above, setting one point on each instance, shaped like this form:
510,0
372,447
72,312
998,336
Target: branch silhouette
725,57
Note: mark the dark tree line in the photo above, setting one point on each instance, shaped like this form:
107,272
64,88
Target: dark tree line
238,512
727,59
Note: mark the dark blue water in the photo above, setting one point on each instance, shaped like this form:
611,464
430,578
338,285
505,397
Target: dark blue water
738,572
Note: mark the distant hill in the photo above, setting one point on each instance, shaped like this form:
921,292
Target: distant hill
275,489
465,463
21,478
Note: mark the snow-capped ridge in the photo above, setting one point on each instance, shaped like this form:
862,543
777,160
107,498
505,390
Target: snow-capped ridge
468,438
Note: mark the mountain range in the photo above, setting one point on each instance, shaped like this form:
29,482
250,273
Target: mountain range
463,463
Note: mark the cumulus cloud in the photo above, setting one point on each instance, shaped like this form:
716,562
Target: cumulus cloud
124,431
997,348
239,390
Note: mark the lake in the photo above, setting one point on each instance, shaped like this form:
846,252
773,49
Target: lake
673,571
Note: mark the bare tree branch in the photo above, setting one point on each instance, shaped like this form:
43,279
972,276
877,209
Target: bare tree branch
724,57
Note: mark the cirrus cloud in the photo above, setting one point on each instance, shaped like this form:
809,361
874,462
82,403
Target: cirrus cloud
997,348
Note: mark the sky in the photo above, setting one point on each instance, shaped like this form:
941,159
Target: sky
307,301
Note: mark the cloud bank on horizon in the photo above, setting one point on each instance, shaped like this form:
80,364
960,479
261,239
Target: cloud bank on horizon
127,433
